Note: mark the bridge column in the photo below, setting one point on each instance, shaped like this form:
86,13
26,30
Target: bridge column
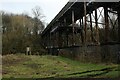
82,32
91,27
66,32
85,18
49,48
49,42
67,37
81,27
55,39
106,24
119,24
96,23
59,38
50,39
80,23
73,29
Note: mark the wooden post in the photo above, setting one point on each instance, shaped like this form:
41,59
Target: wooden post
106,24
73,43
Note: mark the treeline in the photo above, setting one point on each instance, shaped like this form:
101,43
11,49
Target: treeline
21,31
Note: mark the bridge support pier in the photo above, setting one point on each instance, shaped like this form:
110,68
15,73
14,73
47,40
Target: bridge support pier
73,41
119,24
85,29
97,31
82,33
91,27
67,37
106,24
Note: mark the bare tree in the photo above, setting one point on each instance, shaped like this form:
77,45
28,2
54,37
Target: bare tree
37,12
38,23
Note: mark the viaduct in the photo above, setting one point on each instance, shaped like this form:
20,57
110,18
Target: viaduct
88,31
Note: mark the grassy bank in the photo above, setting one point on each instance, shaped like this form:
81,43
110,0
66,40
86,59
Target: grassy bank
23,66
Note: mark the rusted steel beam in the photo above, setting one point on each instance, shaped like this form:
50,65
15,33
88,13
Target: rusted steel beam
106,24
73,21
59,42
80,22
59,36
82,32
91,27
85,29
96,23
65,21
56,39
66,33
119,24
81,27
49,38
112,11
67,38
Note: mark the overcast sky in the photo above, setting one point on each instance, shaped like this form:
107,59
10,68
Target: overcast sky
50,8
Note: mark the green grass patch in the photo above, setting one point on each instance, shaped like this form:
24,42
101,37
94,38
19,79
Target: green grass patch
23,66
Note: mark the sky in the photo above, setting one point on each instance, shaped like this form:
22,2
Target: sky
49,8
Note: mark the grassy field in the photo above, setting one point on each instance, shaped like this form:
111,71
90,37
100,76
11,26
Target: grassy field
23,66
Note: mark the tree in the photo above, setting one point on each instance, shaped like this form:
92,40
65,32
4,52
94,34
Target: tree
113,30
38,23
15,32
18,30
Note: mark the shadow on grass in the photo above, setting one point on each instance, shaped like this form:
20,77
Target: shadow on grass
104,71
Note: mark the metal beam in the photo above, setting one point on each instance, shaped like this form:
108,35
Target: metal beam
65,21
82,32
91,26
112,11
119,24
73,19
106,24
85,22
96,23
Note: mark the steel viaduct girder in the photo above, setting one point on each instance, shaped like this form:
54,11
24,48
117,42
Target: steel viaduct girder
62,30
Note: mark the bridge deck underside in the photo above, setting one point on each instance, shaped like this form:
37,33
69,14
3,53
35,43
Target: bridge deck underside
78,7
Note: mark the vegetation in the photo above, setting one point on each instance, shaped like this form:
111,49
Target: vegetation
21,31
47,66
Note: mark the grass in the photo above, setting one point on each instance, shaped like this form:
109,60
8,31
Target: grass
47,66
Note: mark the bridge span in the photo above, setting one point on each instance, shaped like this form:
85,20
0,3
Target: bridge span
85,28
